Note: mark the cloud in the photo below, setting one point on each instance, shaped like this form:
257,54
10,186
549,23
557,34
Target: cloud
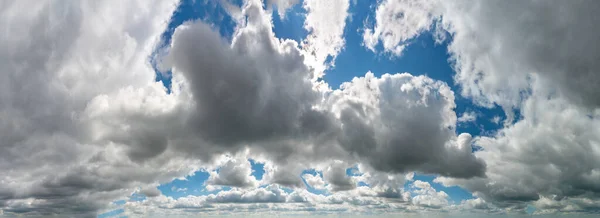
325,22
282,5
524,56
271,198
533,159
257,92
57,57
335,176
469,116
396,23
151,191
84,122
314,181
427,196
235,172
410,115
495,54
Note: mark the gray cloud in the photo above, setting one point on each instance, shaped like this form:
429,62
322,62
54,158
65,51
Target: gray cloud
536,56
57,58
257,92
403,123
534,161
235,172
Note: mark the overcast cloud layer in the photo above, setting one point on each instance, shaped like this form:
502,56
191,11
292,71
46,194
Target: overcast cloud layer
84,123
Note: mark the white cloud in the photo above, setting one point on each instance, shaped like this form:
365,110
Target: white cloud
427,196
282,6
325,22
397,22
496,119
468,116
314,181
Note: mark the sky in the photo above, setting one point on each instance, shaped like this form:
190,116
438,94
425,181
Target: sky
299,108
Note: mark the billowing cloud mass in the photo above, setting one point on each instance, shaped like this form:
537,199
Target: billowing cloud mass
84,122
540,58
412,116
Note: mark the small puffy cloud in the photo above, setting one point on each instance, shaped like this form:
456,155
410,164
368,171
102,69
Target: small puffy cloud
235,172
466,117
427,196
314,181
335,175
496,119
282,5
150,191
396,23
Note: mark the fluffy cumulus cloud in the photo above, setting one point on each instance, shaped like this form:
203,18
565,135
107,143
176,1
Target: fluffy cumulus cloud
314,181
396,23
533,160
325,22
470,116
58,58
410,115
538,57
427,196
234,172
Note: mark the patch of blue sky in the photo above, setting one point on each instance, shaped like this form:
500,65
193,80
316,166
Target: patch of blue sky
119,202
210,11
137,197
258,169
190,185
353,171
112,213
455,193
292,25
422,56
312,189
